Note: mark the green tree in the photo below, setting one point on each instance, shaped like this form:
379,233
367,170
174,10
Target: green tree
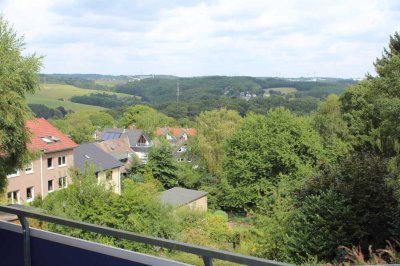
329,122
264,148
371,107
82,125
351,203
18,77
162,164
213,128
137,209
144,117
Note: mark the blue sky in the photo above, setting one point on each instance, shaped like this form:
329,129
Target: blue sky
338,38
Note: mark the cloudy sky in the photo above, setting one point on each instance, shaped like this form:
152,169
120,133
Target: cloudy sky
286,38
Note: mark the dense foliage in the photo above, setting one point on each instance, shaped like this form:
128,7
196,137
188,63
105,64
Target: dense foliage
18,77
41,110
104,100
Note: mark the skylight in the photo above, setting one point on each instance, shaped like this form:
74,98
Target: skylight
54,138
47,140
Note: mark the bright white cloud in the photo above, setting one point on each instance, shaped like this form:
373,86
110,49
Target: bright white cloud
222,37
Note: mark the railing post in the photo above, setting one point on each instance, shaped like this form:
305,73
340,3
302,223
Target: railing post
207,261
26,240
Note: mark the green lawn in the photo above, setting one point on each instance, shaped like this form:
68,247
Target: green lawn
55,95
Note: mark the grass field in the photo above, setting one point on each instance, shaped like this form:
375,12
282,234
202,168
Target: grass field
54,103
284,90
55,95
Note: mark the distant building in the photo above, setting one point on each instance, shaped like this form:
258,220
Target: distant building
177,137
119,149
173,134
106,167
47,173
179,197
138,141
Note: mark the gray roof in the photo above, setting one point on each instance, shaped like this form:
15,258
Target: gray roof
132,134
90,153
178,196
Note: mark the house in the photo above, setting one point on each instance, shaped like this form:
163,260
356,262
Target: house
180,152
174,135
138,141
177,137
106,167
119,149
47,173
185,198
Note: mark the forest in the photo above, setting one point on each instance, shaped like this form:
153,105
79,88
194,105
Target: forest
305,187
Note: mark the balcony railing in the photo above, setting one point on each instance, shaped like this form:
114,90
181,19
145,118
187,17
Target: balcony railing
207,254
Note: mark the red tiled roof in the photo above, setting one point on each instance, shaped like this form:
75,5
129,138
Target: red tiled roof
191,132
162,131
39,128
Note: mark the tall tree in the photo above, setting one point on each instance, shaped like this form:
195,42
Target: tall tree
213,128
329,122
146,118
262,149
18,77
162,165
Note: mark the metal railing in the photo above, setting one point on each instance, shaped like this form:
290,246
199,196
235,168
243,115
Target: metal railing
208,254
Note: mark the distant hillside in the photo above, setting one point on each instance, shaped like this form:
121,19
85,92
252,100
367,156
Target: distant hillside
159,90
55,95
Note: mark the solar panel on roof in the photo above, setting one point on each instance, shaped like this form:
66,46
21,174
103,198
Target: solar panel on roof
111,135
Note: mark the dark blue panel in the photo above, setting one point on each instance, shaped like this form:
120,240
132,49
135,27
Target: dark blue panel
111,135
11,252
47,253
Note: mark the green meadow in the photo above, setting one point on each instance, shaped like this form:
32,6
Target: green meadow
55,95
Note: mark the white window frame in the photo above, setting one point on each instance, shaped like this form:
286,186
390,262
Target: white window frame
65,161
13,174
32,194
64,182
29,167
52,182
52,163
12,197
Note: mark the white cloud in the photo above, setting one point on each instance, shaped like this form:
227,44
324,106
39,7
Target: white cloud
260,38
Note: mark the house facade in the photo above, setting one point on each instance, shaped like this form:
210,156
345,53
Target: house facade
47,173
107,169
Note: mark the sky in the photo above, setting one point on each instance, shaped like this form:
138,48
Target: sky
285,38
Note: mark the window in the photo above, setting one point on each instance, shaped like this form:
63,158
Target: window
46,140
108,175
16,173
62,182
182,149
62,161
50,163
50,185
29,169
13,197
29,194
